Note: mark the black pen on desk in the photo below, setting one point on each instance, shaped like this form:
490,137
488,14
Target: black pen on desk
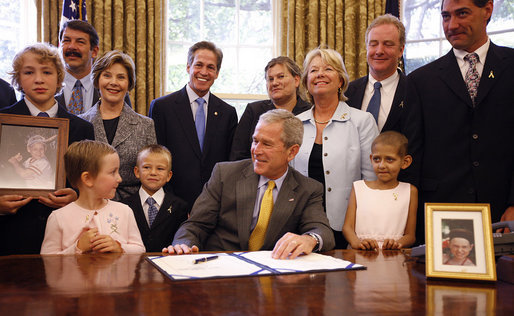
205,259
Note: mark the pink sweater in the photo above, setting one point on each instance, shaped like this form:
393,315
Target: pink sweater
65,225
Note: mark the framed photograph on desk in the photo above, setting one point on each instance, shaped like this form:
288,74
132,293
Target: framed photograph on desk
32,154
459,241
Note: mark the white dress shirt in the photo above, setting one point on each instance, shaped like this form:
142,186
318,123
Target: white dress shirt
34,111
194,105
158,197
464,65
387,92
87,89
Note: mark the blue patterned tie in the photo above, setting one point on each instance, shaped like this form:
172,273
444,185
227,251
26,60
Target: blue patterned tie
200,121
152,210
374,103
76,105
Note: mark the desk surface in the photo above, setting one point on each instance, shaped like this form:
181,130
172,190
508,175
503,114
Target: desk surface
128,284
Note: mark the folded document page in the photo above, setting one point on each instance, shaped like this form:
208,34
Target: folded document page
219,265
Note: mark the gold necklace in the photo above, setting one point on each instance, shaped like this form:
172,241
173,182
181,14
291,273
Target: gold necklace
325,122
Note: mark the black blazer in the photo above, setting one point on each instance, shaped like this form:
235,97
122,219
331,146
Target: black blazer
23,232
462,153
7,95
172,213
244,131
355,94
175,129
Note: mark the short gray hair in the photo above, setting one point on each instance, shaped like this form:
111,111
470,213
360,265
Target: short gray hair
292,127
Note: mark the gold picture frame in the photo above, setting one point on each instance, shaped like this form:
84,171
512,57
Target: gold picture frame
27,172
460,300
459,241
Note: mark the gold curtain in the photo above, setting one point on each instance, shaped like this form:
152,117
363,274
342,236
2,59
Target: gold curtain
340,24
136,27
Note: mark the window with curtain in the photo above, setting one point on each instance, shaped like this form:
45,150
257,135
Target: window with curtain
17,29
425,37
243,29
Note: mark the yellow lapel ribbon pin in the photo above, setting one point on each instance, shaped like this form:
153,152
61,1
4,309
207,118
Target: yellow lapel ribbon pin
401,104
491,75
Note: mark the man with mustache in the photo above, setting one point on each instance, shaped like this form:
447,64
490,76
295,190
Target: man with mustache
461,113
78,43
194,124
385,41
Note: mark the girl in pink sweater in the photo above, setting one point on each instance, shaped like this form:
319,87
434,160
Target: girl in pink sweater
92,223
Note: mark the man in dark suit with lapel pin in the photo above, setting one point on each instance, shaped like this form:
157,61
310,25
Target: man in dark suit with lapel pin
385,41
260,203
195,125
78,43
461,116
158,213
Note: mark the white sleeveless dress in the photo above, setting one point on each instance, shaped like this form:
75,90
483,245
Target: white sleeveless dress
381,214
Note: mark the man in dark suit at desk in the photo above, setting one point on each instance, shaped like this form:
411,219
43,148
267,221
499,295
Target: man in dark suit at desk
461,116
262,203
195,125
382,91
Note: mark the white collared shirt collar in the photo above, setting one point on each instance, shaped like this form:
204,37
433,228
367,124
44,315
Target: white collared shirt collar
278,182
157,196
482,54
34,111
192,101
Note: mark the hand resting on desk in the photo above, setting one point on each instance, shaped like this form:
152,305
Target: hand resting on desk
289,246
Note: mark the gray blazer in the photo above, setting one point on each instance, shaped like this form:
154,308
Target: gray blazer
133,133
222,215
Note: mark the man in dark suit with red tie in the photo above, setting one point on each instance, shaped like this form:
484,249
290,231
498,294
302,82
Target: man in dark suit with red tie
385,41
195,125
461,116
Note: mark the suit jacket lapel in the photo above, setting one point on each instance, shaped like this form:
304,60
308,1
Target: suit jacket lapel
397,105
139,214
125,126
165,210
246,193
452,76
213,115
492,71
98,124
282,209
183,111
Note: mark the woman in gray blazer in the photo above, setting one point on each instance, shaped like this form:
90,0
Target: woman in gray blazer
114,121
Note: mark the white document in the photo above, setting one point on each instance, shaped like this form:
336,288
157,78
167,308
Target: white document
244,264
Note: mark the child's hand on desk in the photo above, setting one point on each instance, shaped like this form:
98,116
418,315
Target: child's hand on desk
367,244
105,243
391,244
59,198
85,239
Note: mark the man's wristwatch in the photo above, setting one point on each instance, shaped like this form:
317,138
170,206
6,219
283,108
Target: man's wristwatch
316,237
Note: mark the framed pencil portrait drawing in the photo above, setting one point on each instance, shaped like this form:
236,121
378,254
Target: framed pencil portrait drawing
32,154
459,241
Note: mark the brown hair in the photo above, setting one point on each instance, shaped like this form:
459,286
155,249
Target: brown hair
291,66
47,54
205,45
393,138
85,156
154,149
83,26
110,58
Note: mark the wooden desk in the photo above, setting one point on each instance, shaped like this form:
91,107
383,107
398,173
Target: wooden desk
128,285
